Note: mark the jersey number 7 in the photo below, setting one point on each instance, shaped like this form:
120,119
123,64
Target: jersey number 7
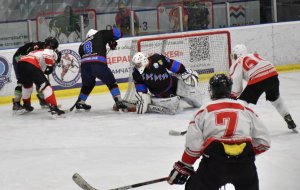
228,119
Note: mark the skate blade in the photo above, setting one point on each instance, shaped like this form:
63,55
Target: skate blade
55,116
295,130
81,110
19,112
45,107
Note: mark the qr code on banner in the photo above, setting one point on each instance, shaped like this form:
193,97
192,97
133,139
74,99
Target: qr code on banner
199,48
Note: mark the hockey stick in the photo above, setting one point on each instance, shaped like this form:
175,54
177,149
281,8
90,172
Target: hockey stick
71,109
85,186
177,133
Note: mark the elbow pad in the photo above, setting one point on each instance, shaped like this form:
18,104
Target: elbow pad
48,70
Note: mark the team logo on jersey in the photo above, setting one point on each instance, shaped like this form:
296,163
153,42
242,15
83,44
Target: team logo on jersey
4,72
160,62
67,72
155,65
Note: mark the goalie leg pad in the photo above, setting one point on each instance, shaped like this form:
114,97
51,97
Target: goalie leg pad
171,104
159,109
143,100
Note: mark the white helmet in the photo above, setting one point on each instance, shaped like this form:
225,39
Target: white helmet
239,50
140,61
90,33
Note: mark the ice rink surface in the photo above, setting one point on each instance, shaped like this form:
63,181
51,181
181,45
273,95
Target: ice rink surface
111,149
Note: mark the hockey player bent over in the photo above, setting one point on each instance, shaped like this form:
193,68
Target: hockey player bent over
21,51
94,65
261,77
32,69
153,73
228,136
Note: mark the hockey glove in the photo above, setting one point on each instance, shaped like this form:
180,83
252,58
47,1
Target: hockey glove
190,77
180,173
48,70
233,97
113,44
120,104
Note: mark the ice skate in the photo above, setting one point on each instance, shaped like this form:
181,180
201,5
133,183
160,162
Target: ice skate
120,105
82,106
17,107
291,123
28,107
55,112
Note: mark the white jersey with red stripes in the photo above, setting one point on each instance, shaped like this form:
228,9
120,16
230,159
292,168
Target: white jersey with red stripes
41,58
251,68
224,120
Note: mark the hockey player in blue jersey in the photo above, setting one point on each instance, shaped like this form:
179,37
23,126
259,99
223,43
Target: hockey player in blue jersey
94,65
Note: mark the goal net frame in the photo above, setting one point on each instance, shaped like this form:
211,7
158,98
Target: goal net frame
45,18
215,61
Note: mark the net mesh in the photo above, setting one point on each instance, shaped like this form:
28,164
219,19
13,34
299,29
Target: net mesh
206,53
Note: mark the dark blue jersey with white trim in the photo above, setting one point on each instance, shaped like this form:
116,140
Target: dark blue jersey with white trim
157,78
93,49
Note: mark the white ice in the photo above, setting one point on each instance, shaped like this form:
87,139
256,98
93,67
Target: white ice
111,149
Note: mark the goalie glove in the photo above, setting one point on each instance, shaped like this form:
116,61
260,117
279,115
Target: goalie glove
113,44
180,173
143,100
190,77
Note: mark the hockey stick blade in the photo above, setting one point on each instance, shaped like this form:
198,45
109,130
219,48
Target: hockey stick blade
81,182
177,133
85,186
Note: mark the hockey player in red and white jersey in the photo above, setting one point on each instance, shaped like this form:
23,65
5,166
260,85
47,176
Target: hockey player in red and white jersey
228,136
261,77
32,69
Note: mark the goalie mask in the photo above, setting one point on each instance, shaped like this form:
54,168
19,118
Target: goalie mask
238,51
219,86
90,33
140,61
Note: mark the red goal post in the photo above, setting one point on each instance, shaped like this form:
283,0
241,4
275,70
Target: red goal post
52,24
205,52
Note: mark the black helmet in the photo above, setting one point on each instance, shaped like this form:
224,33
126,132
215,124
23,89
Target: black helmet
219,86
52,42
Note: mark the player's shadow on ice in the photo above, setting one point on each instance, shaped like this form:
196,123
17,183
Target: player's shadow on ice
282,134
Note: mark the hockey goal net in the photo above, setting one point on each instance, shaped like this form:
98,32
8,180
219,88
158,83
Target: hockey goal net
65,26
205,52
